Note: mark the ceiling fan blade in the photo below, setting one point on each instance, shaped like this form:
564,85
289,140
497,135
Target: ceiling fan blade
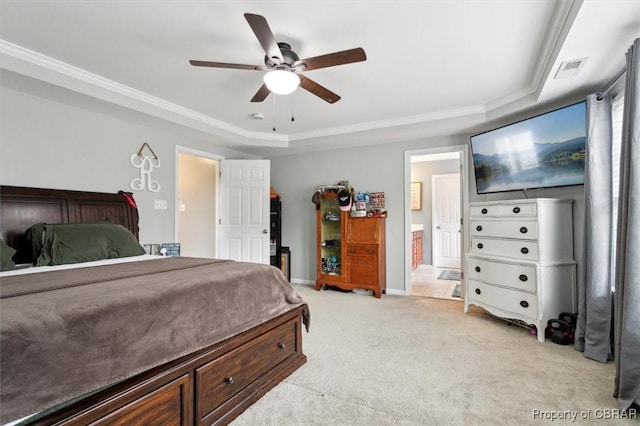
227,65
333,59
261,94
322,92
265,36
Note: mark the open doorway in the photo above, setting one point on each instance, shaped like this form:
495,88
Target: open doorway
434,224
197,202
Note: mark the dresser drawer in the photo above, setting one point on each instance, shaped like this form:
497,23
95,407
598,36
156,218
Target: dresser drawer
222,378
520,277
362,250
518,302
527,230
516,249
504,210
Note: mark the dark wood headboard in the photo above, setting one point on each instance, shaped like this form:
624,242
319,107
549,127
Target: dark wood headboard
21,207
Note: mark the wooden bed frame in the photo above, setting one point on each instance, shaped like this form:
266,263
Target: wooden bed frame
211,386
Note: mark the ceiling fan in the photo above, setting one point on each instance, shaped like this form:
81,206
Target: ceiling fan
285,67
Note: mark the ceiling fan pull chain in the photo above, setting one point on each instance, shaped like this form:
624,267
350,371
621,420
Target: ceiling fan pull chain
274,112
293,101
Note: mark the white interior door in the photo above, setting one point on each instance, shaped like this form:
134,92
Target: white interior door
446,220
244,215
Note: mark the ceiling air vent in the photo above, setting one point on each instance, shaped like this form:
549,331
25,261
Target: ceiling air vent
570,68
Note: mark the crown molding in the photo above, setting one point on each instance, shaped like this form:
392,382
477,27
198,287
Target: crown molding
33,64
563,18
396,122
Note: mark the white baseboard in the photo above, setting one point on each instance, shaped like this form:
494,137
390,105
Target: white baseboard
313,283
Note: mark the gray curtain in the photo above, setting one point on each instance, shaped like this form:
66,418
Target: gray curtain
627,267
593,328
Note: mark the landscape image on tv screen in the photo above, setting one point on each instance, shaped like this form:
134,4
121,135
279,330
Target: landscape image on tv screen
543,151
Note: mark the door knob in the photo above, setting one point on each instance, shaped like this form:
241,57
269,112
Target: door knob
265,231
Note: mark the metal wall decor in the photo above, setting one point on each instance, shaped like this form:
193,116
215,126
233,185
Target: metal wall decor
146,163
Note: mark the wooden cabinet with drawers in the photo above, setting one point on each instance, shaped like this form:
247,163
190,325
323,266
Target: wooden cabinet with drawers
365,258
520,264
351,250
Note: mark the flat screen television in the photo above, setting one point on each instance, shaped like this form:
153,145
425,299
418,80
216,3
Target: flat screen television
544,151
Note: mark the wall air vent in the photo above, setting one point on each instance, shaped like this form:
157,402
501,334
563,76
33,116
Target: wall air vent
570,68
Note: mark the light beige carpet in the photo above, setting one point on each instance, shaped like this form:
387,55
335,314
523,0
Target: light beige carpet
419,361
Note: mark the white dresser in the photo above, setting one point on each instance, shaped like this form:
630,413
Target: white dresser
520,265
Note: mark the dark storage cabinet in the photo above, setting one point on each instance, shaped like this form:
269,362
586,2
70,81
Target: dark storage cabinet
276,231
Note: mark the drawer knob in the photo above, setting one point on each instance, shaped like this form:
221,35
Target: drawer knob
480,245
523,230
524,250
478,269
282,345
524,303
478,291
229,380
478,228
484,211
516,210
523,277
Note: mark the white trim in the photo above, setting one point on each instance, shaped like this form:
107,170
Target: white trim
385,124
301,281
464,190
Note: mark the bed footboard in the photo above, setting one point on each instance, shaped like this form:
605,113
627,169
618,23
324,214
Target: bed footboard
209,387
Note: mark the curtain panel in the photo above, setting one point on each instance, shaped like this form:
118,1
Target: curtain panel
593,328
627,267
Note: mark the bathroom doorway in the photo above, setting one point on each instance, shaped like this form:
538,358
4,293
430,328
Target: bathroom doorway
437,220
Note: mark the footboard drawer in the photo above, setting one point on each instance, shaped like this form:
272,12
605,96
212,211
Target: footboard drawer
169,405
222,378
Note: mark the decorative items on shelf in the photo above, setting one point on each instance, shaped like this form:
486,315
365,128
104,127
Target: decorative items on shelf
164,249
170,249
358,204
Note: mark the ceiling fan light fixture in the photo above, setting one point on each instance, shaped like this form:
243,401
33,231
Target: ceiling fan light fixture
281,82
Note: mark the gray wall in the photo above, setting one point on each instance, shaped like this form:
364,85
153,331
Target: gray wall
55,138
377,168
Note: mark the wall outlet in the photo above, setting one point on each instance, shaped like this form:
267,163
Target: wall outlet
160,204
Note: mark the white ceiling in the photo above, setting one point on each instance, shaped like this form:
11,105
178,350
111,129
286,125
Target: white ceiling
433,67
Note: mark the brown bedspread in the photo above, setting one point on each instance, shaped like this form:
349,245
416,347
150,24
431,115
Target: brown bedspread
66,333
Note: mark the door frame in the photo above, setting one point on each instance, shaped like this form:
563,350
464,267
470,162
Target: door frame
176,214
464,192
